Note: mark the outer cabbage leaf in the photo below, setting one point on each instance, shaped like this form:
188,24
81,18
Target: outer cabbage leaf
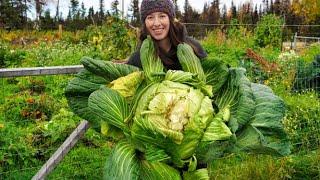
122,163
189,79
189,61
107,69
265,133
180,76
236,95
110,106
151,63
211,145
95,74
255,115
78,91
216,73
217,129
207,152
155,154
153,133
200,174
127,85
158,171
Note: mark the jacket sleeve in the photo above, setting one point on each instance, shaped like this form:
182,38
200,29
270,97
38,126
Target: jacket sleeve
135,60
199,51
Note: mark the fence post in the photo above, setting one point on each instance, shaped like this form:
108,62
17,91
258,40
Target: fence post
62,151
295,40
60,31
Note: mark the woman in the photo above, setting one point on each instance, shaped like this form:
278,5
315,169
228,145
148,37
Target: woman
158,18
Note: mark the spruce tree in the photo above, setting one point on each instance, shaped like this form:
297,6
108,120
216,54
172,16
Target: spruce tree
135,19
74,9
101,10
114,8
187,12
233,11
83,11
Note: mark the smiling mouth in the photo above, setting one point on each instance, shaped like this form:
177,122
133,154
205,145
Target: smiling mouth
158,31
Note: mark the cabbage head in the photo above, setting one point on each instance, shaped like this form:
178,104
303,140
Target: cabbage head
169,124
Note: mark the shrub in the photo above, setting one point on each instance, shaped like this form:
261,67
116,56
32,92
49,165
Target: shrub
113,40
10,57
230,51
268,31
302,121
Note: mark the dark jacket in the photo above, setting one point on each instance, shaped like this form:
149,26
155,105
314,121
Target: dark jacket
169,59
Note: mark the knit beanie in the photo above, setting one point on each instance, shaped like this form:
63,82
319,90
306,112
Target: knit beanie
151,6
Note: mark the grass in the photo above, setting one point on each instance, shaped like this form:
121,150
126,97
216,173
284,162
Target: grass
28,140
251,166
80,163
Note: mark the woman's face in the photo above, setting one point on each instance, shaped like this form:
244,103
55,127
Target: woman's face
158,25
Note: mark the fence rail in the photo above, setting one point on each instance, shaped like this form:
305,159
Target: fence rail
62,151
40,71
305,40
73,138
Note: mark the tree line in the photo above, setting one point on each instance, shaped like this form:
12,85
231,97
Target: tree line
14,13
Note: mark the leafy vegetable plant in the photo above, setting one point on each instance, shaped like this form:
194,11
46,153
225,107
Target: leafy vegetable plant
170,124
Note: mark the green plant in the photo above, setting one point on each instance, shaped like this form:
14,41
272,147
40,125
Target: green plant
302,121
268,31
16,150
82,163
302,115
231,50
308,54
170,123
113,40
251,166
234,31
10,57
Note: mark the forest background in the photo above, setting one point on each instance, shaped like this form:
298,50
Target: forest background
15,14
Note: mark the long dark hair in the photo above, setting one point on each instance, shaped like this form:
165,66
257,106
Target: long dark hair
177,34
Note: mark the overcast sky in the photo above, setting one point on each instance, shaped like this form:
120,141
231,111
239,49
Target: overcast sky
196,4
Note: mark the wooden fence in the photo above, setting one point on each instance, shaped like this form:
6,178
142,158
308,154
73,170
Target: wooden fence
71,141
303,41
39,71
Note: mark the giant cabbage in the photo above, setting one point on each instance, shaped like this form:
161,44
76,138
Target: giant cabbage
168,122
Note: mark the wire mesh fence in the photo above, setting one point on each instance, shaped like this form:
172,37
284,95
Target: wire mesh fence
293,36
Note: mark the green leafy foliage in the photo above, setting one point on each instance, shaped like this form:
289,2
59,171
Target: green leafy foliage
172,113
265,167
150,61
189,61
302,121
83,162
10,57
268,31
113,40
229,50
